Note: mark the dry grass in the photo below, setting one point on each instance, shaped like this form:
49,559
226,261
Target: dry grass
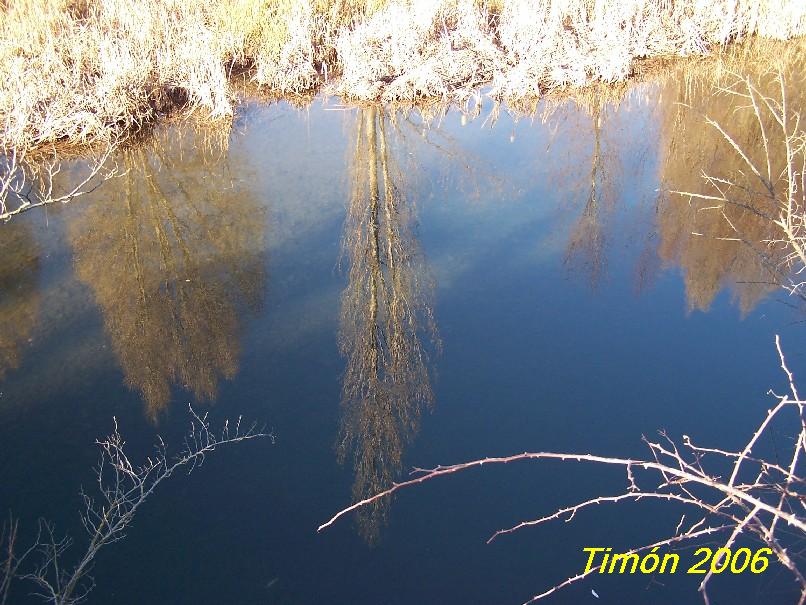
89,70
84,70
419,48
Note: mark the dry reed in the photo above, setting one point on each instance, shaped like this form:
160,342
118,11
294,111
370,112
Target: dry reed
89,70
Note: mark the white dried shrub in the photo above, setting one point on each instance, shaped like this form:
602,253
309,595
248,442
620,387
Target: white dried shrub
294,70
442,48
418,49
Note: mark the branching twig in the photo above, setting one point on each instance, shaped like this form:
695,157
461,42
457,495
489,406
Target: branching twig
33,186
124,487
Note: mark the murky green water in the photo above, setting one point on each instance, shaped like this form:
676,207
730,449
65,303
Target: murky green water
385,293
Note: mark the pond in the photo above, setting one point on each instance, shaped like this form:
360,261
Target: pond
389,289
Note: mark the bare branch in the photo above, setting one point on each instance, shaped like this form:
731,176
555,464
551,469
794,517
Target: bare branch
123,486
32,185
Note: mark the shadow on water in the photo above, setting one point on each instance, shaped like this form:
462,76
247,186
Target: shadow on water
173,254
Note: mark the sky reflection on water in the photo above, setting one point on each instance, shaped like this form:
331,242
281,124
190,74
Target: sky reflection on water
386,292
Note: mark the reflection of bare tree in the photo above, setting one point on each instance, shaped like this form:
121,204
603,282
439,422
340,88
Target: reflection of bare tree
584,130
716,246
721,245
173,257
19,294
385,307
586,244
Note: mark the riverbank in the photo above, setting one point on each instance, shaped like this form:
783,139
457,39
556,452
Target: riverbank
84,71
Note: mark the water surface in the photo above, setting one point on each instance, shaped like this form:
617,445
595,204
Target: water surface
387,291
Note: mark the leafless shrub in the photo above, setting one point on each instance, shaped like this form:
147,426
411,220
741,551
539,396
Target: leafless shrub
124,487
11,561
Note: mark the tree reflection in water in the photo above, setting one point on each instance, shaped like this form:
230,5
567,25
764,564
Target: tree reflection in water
716,246
586,249
19,292
720,246
386,314
173,256
589,151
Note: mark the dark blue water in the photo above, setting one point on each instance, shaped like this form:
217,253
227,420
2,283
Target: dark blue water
532,289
